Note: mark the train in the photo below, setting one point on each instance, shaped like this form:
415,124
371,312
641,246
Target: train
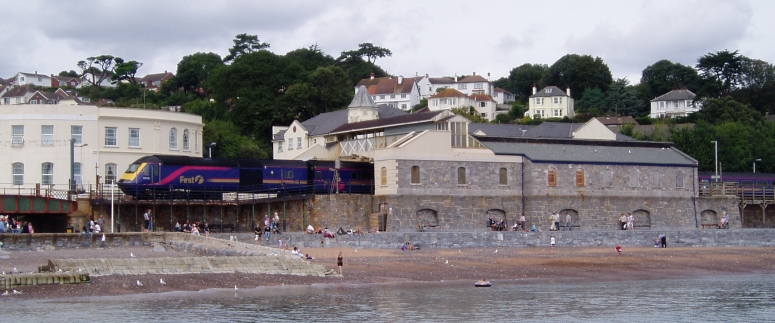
744,185
184,177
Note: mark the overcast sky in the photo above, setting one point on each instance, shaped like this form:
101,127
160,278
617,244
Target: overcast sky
426,37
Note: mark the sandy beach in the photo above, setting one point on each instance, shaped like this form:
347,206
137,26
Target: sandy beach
385,266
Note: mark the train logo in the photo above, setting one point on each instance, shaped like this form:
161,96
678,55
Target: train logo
198,179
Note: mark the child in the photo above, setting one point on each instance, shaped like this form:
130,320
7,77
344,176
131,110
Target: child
551,241
619,249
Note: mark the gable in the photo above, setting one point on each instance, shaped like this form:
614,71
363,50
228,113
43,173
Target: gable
594,130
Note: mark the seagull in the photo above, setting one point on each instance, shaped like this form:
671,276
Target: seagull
14,270
5,294
60,270
16,292
132,255
496,251
446,261
79,270
139,283
235,287
161,281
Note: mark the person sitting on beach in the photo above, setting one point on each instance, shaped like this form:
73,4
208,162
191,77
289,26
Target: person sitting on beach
534,229
310,229
186,227
195,230
178,228
328,234
358,231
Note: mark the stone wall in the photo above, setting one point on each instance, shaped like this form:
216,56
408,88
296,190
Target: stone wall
341,210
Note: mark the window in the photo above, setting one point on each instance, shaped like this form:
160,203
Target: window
383,176
47,135
290,143
634,180
461,176
18,174
675,104
556,112
608,178
552,177
110,136
403,96
6,100
280,147
288,174
403,106
110,173
556,100
462,86
459,133
482,104
539,101
76,132
186,141
17,135
33,101
134,137
298,143
77,174
548,90
503,174
580,180
415,174
661,104
47,173
392,96
196,141
173,139
478,85
679,179
381,97
656,180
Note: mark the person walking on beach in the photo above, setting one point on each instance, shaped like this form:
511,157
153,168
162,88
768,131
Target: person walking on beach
623,222
339,262
556,221
663,240
568,221
630,220
522,221
619,249
552,241
147,216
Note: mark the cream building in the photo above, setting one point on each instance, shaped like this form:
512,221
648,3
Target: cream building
550,102
36,142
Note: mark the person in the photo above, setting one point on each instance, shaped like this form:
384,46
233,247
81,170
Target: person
515,226
97,228
91,225
276,223
186,227
491,223
207,230
656,242
298,252
522,221
339,262
328,234
534,229
724,223
195,229
341,231
556,221
663,239
267,231
147,216
279,243
101,222
30,229
502,224
257,232
178,228
623,222
552,241
420,224
619,249
568,221
630,220
358,231
310,229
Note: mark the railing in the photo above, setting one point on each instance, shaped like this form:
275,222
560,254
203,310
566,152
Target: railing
350,147
39,191
743,192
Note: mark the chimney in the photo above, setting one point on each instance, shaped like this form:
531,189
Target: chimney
455,77
474,73
534,88
426,75
568,91
400,79
372,76
36,72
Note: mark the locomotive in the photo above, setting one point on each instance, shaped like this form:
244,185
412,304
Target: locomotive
183,177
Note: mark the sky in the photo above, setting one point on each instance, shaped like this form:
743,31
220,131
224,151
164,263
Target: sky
439,38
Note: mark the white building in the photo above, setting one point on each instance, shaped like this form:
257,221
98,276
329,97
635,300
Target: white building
398,92
36,142
550,102
676,103
36,79
448,99
502,96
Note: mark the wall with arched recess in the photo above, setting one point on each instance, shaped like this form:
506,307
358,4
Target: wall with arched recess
709,217
431,217
641,218
574,216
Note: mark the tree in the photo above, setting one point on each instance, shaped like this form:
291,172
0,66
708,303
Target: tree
726,109
243,44
665,76
579,73
231,143
125,70
470,114
757,85
97,69
327,89
593,101
358,69
369,50
622,99
71,73
524,77
310,58
194,70
422,105
720,71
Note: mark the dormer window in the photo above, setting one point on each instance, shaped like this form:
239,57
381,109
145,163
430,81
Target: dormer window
548,90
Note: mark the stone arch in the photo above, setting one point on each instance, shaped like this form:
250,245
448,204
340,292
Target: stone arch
574,215
641,218
429,216
495,214
709,217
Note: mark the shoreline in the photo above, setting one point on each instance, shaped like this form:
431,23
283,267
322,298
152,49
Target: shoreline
378,266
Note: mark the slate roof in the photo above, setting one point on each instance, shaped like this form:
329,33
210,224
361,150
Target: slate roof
388,85
497,89
362,99
472,79
449,93
555,91
18,91
676,95
481,97
156,77
441,80
381,123
326,122
499,130
546,130
574,153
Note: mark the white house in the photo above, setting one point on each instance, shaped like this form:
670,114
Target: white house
451,98
36,79
550,102
676,103
502,96
16,95
398,92
106,141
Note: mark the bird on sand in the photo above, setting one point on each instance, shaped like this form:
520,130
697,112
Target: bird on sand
235,287
446,261
161,281
496,251
139,283
131,254
16,292
5,294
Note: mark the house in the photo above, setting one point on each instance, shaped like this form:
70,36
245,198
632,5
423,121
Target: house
16,95
448,99
474,84
676,103
153,81
64,81
486,106
35,79
550,102
71,97
44,97
398,92
502,96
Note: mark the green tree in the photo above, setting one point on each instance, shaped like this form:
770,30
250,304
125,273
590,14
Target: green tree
205,108
422,105
310,58
369,50
327,89
622,99
194,70
470,114
720,71
71,73
726,109
757,85
593,101
243,44
97,69
358,69
665,76
231,143
578,73
125,70
524,77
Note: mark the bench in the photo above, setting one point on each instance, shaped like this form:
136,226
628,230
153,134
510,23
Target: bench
709,225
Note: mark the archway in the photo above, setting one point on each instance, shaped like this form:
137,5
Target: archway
641,219
574,216
430,217
708,218
496,214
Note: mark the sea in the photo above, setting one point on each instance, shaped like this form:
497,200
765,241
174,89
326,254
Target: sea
745,298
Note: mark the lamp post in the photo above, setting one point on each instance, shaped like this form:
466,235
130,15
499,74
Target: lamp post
72,165
210,149
80,170
754,163
716,164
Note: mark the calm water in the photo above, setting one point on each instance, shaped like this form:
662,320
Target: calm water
715,299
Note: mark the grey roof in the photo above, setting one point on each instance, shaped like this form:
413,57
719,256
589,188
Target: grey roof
555,91
676,95
3,81
546,130
326,122
570,153
499,130
441,80
362,99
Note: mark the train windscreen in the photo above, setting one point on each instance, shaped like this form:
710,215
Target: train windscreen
132,168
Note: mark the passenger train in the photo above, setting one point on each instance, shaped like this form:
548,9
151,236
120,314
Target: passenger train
745,185
163,177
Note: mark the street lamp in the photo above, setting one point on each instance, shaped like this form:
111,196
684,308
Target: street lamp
754,163
716,164
210,149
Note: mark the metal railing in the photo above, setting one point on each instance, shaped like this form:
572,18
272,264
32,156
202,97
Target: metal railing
743,192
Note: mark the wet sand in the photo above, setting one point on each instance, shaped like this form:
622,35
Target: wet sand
383,266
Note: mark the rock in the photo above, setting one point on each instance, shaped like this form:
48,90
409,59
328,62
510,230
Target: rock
159,248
